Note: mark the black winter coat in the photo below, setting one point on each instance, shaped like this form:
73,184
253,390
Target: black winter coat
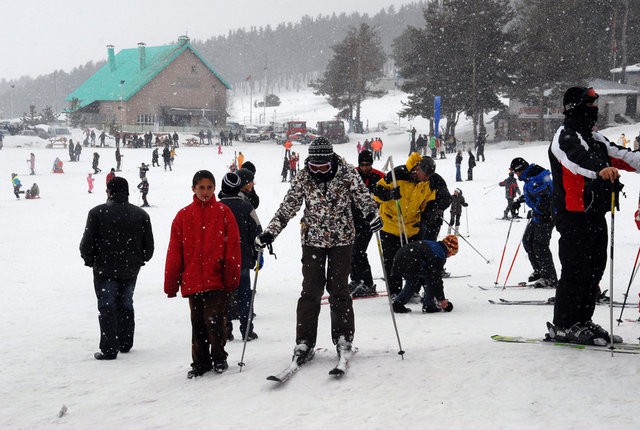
117,239
436,207
247,226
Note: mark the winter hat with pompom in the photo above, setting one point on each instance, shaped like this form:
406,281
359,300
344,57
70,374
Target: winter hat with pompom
451,242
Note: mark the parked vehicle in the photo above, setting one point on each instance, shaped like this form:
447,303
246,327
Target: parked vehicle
267,132
294,131
28,133
333,130
251,134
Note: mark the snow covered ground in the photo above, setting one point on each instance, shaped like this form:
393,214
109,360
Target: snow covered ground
452,376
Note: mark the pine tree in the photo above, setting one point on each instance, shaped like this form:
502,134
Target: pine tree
357,64
561,44
461,55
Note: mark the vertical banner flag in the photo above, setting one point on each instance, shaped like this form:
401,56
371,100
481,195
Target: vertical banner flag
436,115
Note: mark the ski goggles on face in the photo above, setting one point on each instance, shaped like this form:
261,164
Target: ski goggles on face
319,167
590,97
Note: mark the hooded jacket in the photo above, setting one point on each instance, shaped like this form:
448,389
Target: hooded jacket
576,159
511,189
538,192
204,250
327,220
414,198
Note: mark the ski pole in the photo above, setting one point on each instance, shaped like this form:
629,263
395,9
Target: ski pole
466,215
247,330
611,248
515,255
504,287
634,272
401,225
490,189
386,283
468,243
503,251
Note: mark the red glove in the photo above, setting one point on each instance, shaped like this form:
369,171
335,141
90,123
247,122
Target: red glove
636,216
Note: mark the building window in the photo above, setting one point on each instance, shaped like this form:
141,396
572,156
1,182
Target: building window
194,69
146,119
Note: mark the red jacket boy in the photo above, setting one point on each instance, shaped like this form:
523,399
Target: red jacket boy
203,261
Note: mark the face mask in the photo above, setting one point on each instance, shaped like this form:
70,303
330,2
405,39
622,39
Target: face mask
585,116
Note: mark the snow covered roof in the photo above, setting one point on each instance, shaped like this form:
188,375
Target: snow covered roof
605,87
633,68
126,78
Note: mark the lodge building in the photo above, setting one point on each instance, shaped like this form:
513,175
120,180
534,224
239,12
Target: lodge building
153,88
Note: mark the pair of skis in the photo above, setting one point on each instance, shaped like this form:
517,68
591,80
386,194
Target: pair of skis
549,301
501,287
622,348
337,371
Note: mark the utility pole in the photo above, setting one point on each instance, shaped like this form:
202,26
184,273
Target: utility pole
11,97
623,43
250,100
264,101
121,108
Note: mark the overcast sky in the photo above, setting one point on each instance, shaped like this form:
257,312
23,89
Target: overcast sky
40,36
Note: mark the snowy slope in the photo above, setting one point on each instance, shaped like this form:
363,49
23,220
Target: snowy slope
453,375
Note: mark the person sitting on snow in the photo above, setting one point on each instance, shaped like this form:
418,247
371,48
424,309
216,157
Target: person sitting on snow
33,192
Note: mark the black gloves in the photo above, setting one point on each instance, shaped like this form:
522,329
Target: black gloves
262,240
386,194
465,204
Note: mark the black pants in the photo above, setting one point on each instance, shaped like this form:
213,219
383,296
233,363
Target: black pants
390,246
325,267
116,313
360,267
583,256
535,241
510,208
454,222
430,226
208,328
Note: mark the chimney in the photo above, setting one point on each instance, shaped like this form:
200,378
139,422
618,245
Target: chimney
111,58
142,53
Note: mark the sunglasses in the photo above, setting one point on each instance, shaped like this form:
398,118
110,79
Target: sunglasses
319,167
366,164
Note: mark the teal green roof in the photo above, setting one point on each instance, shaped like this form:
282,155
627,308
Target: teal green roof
104,85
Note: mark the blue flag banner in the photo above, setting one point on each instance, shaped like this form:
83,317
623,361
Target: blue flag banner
436,115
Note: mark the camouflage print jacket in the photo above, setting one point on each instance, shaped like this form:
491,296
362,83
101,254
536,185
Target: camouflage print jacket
327,220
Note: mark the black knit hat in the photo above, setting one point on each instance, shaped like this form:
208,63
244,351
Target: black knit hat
231,184
576,95
320,150
365,156
118,185
249,166
427,165
245,176
518,164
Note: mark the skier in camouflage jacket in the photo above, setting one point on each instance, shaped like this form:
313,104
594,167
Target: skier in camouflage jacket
327,186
